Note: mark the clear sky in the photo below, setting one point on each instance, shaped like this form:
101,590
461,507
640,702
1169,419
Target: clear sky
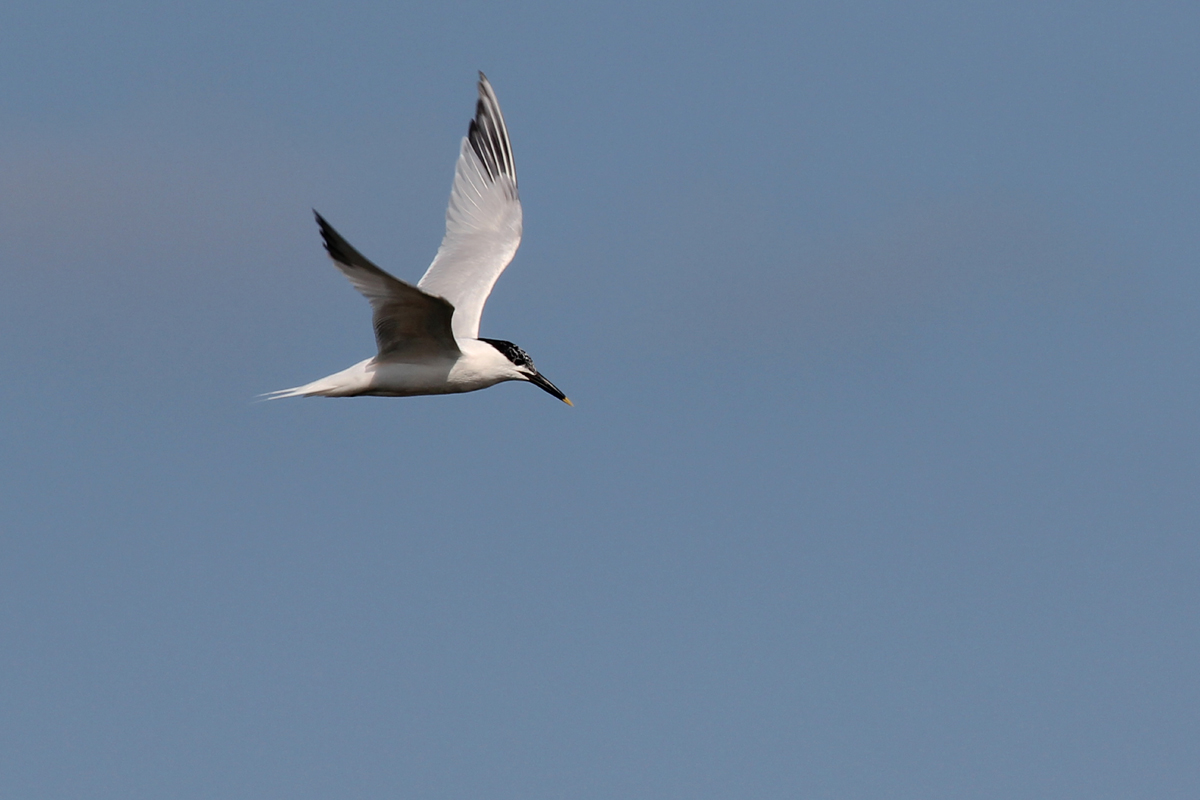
880,319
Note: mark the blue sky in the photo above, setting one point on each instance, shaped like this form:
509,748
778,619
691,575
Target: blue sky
880,323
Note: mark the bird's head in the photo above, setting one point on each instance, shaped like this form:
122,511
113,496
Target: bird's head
523,365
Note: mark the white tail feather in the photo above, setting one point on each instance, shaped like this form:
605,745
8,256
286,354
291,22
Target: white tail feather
347,383
297,391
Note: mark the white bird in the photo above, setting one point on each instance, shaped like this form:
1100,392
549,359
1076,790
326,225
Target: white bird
428,334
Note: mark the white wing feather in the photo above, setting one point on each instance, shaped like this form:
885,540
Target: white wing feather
483,220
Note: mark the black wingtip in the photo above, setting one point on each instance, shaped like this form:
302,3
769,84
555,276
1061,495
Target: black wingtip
327,231
337,247
488,134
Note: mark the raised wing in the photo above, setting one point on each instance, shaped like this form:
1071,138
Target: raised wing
483,220
409,324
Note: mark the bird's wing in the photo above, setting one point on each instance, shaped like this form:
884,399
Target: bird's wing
409,323
483,220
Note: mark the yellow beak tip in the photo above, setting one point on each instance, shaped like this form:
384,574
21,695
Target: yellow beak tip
567,400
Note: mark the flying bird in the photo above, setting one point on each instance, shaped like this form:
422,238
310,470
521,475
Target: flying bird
428,334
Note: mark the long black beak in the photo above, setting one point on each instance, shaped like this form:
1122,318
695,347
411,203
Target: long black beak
537,380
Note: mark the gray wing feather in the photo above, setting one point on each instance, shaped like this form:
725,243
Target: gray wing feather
483,220
409,324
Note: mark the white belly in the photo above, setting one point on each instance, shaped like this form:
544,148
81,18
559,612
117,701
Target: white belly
439,377
478,366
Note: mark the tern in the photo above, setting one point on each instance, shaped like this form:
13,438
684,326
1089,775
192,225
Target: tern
428,334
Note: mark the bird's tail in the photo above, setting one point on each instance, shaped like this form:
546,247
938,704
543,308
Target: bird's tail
295,391
321,388
347,383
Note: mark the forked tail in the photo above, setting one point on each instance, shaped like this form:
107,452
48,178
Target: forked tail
347,383
295,391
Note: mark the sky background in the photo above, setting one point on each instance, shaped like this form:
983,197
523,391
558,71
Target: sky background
879,318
